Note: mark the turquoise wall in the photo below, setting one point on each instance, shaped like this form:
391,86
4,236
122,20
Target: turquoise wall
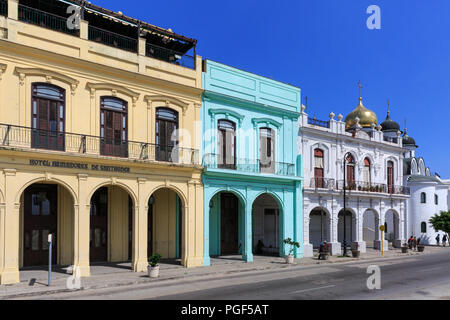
251,102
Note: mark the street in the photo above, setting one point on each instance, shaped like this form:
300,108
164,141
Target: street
414,277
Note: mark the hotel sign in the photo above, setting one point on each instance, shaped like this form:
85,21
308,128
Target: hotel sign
82,166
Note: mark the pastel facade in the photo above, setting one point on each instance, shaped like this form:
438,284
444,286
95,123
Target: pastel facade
90,145
252,177
375,193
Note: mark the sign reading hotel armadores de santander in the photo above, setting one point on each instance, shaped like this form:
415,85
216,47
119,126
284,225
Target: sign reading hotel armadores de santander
74,165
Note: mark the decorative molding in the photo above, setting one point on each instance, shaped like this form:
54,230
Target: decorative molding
49,76
114,88
226,113
266,121
167,100
2,69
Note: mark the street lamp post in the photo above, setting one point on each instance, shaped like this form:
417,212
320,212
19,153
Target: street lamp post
345,206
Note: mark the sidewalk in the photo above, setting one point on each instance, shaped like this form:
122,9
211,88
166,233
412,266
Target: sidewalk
34,282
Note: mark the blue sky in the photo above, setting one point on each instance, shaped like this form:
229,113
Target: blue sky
324,47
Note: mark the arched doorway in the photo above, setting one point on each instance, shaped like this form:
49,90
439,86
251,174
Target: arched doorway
225,225
371,232
165,224
392,227
267,226
111,220
46,209
350,227
319,227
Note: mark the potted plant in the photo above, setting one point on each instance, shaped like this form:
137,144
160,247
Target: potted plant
355,251
153,267
420,247
404,248
290,257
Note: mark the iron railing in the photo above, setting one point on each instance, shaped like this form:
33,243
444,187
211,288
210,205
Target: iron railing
170,56
322,183
214,161
46,20
319,123
29,138
3,8
112,39
372,187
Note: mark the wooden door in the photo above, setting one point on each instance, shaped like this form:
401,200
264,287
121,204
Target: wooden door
113,127
390,177
166,135
48,124
40,220
350,177
99,226
229,239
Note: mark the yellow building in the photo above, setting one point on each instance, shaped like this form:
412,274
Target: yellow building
98,139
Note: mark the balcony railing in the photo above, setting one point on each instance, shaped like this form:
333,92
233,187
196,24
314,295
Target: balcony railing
29,138
214,161
45,20
363,186
112,39
319,123
322,183
3,8
170,56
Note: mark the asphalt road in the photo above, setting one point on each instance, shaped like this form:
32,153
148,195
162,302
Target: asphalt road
414,277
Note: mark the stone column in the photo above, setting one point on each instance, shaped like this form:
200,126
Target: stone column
377,243
189,254
358,241
13,9
307,247
9,232
82,229
247,253
140,230
206,257
335,246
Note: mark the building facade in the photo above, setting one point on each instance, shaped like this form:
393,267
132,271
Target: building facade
429,195
370,161
252,176
98,140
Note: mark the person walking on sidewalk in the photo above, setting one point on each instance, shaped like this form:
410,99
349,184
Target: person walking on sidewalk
438,239
444,240
414,243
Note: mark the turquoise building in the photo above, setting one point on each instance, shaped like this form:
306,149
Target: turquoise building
253,175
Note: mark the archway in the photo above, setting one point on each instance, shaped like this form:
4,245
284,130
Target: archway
350,227
46,208
392,227
225,225
165,224
267,226
111,225
319,227
371,232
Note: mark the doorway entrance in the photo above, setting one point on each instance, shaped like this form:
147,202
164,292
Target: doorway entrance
40,220
229,226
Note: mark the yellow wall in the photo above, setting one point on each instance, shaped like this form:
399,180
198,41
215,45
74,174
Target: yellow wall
164,223
88,70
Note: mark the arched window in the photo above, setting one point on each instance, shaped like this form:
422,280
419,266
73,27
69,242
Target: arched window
423,197
47,116
366,172
318,168
267,150
436,199
423,227
390,176
166,136
350,172
113,127
226,144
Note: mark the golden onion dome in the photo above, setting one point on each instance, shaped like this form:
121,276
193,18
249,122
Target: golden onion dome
366,117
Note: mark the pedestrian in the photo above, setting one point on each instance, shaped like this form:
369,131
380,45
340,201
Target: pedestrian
414,243
418,240
438,239
410,242
322,249
444,240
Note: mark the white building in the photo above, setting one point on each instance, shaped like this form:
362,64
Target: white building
429,195
374,180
